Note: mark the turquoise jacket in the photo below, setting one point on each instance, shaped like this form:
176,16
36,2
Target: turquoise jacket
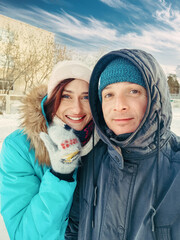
34,203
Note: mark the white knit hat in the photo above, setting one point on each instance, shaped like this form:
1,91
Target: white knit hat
67,69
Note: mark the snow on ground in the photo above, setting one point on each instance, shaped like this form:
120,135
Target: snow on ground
175,126
10,122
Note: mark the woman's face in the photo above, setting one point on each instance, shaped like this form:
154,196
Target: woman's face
74,109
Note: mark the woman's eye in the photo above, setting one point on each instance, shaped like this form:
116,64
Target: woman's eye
86,97
65,96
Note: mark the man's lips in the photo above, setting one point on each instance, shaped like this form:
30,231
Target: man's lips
122,119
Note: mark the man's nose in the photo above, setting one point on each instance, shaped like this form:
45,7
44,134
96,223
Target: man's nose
121,103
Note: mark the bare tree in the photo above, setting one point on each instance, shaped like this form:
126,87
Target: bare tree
27,59
38,62
9,53
61,53
89,58
173,84
30,64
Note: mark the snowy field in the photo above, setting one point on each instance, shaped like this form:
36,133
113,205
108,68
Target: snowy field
10,122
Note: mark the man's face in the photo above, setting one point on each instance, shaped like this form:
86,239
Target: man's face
123,105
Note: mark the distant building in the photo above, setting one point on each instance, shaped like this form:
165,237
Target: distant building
23,50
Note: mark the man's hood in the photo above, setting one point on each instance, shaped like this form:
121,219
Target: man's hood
33,122
158,114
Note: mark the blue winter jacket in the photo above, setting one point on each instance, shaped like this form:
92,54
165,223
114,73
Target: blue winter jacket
130,189
34,203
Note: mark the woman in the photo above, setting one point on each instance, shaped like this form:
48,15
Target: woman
38,162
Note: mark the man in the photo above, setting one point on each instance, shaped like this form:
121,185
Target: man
129,185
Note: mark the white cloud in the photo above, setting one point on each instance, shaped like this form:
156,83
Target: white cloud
88,32
87,29
119,4
114,3
169,69
178,71
163,2
163,36
169,16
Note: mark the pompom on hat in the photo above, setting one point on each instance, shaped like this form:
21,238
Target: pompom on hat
67,69
119,70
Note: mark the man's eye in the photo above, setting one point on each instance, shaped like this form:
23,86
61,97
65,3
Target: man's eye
134,91
108,95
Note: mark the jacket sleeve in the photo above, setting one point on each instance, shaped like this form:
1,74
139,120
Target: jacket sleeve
32,207
72,228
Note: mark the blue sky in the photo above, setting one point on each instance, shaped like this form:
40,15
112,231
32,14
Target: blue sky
105,25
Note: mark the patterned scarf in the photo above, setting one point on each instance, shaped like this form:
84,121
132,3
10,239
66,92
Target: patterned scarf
85,134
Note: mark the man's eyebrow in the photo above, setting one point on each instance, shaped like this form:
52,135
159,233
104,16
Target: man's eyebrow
109,86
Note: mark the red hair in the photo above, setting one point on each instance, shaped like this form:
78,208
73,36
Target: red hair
51,105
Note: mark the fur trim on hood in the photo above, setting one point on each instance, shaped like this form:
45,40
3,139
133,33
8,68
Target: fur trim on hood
33,122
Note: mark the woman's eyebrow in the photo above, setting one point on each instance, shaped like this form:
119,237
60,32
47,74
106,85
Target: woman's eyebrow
69,91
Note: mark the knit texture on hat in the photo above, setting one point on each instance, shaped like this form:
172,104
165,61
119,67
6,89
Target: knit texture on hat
67,69
119,70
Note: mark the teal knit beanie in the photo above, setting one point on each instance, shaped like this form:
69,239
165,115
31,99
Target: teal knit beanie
119,70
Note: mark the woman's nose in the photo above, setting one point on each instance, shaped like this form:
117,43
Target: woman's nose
77,106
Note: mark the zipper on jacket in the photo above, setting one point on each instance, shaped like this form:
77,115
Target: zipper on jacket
94,205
